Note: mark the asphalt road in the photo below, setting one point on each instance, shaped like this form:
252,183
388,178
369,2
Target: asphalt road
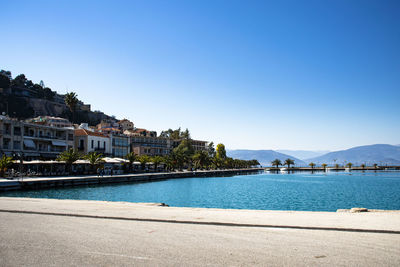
43,240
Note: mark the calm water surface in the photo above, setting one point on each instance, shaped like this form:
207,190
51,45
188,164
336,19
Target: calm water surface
298,191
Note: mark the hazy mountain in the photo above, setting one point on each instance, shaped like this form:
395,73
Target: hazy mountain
303,154
263,156
379,154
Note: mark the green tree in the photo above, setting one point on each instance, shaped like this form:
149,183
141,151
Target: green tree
95,159
363,166
288,162
185,134
276,163
349,165
5,163
221,152
4,82
143,160
19,81
337,166
312,165
71,100
211,150
170,163
375,165
131,157
69,157
183,153
324,165
156,161
201,159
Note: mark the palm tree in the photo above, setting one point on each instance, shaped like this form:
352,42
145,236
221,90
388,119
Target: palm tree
288,162
5,163
375,165
349,165
143,160
336,166
71,100
156,161
363,166
276,163
324,165
169,163
312,165
69,156
131,157
201,159
94,159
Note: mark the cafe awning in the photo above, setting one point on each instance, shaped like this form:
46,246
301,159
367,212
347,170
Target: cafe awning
29,143
58,143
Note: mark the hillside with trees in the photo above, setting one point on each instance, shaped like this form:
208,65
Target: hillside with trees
21,98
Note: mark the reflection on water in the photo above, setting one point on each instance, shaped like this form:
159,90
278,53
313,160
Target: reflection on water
267,191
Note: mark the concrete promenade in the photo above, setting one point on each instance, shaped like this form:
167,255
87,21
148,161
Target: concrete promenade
66,181
74,232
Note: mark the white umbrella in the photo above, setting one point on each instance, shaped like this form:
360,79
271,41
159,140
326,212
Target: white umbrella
82,161
111,160
121,160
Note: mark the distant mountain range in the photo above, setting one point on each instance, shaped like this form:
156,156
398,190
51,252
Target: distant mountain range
304,154
263,156
380,154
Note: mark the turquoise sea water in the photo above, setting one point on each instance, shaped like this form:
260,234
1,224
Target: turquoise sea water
265,191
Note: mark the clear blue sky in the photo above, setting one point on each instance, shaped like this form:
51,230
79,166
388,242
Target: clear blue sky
250,74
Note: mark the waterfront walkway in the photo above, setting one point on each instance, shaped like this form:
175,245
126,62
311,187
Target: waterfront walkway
64,181
75,232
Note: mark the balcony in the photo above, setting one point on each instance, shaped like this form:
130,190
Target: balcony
45,137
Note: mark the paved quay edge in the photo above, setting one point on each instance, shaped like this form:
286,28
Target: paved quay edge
207,223
368,222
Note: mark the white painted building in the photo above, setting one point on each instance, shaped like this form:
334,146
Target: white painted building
87,141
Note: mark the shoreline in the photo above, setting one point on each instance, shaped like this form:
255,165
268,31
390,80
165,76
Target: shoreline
381,221
72,181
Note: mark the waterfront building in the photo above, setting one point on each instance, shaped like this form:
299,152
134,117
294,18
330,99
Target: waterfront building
120,145
86,141
107,123
119,141
198,145
32,140
144,142
151,146
126,125
51,121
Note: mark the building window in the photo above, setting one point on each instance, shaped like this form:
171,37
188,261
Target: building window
98,144
92,143
17,130
17,145
104,145
6,143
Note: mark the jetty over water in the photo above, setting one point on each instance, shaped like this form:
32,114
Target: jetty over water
357,168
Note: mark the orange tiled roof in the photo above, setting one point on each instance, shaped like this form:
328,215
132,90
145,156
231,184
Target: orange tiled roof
83,132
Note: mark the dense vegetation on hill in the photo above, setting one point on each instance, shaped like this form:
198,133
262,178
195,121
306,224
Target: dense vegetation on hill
21,98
